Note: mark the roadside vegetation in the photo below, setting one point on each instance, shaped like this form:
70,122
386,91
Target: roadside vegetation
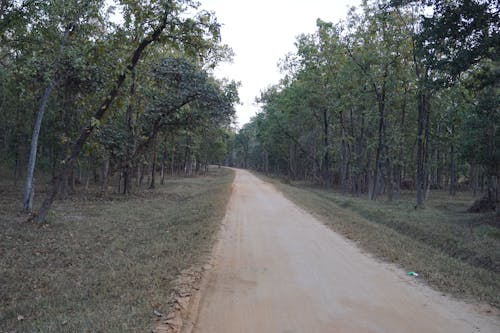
96,89
399,95
104,264
452,250
105,107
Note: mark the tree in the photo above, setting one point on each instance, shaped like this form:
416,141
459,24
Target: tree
69,18
172,28
363,105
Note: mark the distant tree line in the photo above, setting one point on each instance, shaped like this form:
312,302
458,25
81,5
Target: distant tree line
85,96
400,95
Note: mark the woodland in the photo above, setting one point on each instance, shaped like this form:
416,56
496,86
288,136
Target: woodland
94,90
384,124
401,95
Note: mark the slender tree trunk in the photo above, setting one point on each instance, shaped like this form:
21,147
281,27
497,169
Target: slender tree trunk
474,179
120,176
381,107
400,163
390,179
360,155
314,167
89,173
153,159
105,175
172,163
326,162
368,172
452,170
266,162
351,148
130,111
343,171
439,172
420,149
205,151
28,187
187,156
140,173
163,161
427,164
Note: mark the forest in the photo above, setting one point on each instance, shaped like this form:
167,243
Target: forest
114,129
401,95
94,90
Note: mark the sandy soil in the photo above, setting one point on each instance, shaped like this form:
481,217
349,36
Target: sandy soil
278,270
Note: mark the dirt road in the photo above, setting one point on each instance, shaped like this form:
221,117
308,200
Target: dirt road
278,270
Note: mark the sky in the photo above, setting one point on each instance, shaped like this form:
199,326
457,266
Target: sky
261,32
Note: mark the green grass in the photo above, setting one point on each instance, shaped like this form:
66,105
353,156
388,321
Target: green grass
453,251
103,265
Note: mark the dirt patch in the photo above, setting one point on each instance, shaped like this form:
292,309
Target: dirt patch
184,299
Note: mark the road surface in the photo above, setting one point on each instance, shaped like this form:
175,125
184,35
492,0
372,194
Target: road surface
278,270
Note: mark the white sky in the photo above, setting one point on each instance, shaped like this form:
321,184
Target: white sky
261,32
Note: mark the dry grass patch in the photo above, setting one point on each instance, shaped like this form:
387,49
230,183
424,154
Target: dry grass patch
103,265
454,251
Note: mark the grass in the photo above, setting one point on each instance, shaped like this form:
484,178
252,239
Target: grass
453,251
103,265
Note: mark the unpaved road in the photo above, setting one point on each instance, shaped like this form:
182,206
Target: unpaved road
278,270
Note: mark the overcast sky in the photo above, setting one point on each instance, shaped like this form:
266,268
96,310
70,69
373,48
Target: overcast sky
261,32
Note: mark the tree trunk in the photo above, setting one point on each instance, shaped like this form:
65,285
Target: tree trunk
360,155
439,171
266,162
326,161
205,151
187,156
368,172
343,168
172,162
105,175
452,189
130,129
164,161
400,162
420,150
390,179
381,107
28,187
427,165
153,158
475,179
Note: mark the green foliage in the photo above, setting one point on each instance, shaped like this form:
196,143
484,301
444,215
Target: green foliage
165,94
346,109
459,34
